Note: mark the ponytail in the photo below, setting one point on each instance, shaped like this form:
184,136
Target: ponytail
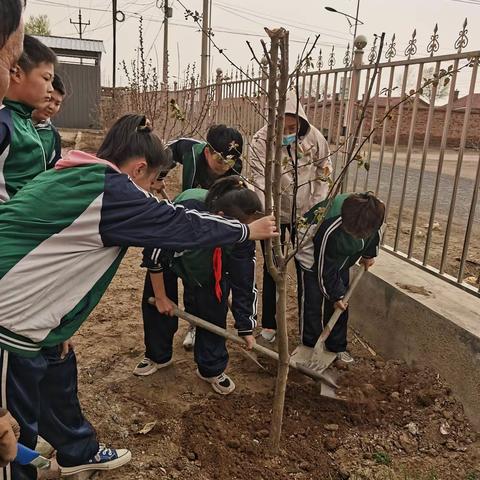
132,136
231,196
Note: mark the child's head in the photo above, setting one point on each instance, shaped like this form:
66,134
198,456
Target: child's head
224,148
53,106
135,149
362,214
230,196
11,40
31,80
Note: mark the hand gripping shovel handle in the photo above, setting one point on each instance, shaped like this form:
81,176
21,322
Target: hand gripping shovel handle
338,311
198,322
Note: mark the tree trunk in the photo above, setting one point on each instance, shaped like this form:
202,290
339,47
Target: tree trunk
282,367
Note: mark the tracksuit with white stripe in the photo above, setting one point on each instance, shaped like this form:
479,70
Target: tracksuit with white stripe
62,238
208,276
325,261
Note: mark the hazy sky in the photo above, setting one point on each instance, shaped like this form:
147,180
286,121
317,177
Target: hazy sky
234,22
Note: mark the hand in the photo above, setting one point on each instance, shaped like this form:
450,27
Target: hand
263,228
366,262
341,305
8,440
66,347
249,341
165,306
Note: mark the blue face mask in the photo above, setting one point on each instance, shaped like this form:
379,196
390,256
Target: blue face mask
289,139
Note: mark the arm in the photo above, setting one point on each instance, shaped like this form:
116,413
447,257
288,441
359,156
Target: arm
257,153
322,167
179,147
162,302
241,274
371,250
132,217
329,279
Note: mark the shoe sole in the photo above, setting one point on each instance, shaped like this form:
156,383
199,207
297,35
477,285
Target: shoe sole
118,462
153,370
215,388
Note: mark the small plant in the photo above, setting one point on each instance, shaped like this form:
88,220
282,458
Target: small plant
472,476
382,458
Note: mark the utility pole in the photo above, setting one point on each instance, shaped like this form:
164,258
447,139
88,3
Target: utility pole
167,14
80,24
205,38
114,53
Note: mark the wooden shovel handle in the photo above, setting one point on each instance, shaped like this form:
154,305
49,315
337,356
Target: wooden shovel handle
338,311
222,332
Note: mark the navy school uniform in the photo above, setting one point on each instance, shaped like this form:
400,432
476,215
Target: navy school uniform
203,296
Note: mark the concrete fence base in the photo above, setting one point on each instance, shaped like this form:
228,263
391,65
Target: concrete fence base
408,314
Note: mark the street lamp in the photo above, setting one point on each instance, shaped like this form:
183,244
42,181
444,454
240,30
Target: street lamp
348,17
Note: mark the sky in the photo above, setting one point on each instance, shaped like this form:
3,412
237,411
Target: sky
234,22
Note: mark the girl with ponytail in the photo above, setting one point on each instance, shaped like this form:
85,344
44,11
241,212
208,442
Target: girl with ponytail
208,276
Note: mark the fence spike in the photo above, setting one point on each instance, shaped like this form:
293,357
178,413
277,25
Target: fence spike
412,45
347,57
320,60
462,40
331,58
372,56
434,44
391,50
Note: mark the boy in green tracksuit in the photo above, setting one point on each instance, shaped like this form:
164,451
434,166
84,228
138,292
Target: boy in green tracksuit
42,119
22,155
350,231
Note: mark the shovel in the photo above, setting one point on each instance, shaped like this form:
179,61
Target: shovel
321,358
327,383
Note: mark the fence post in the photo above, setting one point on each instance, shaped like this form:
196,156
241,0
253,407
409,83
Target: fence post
360,43
218,92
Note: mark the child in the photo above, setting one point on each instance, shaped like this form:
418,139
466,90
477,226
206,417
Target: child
208,276
203,163
63,237
30,88
349,231
42,119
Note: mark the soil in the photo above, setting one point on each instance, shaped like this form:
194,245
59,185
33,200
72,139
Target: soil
398,422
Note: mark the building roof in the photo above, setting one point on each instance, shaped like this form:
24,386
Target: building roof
461,103
74,44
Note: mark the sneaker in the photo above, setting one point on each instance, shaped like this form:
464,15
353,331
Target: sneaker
105,459
221,384
344,357
147,367
189,341
268,335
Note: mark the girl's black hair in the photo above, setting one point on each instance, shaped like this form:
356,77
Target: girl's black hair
131,136
10,16
231,196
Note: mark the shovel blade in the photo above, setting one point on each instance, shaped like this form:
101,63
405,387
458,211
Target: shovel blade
320,361
327,391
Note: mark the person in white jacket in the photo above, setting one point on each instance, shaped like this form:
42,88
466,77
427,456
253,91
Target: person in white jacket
309,168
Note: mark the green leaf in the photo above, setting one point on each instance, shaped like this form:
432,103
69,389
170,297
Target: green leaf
367,166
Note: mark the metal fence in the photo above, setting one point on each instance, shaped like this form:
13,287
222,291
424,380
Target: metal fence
422,159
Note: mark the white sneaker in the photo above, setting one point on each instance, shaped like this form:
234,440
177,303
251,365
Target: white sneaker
345,357
189,341
147,367
268,335
221,384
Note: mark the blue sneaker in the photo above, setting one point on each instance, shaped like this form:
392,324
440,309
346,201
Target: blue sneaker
105,459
